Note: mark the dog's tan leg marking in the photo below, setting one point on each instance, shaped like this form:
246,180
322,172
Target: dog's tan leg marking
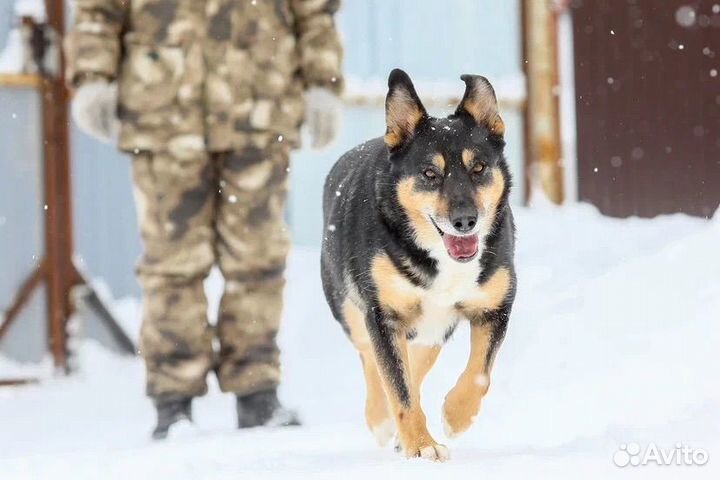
462,403
377,414
422,359
415,439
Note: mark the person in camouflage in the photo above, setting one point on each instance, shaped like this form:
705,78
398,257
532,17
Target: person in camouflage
208,97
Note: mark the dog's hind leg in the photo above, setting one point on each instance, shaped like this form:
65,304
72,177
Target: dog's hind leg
462,403
377,413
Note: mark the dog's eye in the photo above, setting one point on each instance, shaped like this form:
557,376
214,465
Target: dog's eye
430,174
477,172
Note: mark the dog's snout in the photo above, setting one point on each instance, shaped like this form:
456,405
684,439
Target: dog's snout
464,219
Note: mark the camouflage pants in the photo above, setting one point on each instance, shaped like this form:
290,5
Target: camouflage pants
196,210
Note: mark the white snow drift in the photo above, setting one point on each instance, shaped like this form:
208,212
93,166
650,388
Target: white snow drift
614,339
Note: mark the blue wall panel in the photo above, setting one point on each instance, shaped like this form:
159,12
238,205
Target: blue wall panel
22,216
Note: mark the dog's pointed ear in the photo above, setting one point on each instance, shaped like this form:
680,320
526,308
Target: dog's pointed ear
403,110
480,103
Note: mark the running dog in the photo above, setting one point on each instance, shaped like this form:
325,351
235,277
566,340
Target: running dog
418,236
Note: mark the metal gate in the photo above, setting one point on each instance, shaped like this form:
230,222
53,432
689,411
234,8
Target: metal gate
647,76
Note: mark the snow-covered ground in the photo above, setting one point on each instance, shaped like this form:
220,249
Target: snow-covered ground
615,339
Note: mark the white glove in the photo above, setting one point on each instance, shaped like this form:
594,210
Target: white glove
94,109
322,116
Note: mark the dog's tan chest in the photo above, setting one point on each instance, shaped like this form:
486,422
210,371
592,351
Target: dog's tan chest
430,313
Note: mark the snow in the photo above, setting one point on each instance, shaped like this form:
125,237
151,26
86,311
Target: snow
31,8
11,57
614,340
509,88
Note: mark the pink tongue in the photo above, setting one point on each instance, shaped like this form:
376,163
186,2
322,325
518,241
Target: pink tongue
461,247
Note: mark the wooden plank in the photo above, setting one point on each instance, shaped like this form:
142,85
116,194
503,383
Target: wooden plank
18,80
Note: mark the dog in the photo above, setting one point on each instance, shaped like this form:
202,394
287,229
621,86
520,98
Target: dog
418,236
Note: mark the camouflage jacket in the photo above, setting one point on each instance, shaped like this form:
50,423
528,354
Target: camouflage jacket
205,73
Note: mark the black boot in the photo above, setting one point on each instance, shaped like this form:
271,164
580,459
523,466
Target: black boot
264,409
169,412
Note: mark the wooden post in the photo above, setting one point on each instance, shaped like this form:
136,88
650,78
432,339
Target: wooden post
58,191
543,106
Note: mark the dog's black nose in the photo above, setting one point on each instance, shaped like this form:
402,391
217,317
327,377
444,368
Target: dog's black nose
464,220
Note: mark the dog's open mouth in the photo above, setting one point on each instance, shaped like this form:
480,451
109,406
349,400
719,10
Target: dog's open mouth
460,248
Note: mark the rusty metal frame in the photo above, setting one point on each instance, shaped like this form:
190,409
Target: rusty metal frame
23,295
58,191
56,269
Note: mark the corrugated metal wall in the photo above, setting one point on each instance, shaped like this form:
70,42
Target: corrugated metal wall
648,109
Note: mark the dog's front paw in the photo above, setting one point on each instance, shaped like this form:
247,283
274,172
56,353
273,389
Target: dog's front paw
436,453
460,409
429,451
